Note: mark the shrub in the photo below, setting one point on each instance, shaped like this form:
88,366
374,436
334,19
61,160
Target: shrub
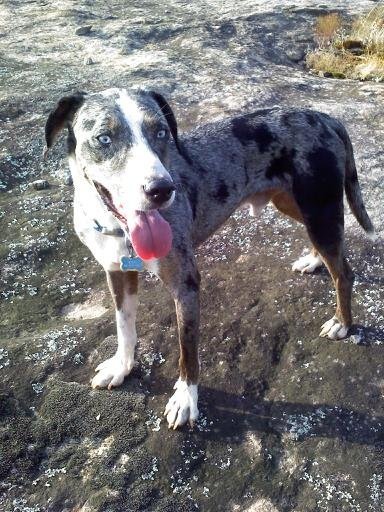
354,52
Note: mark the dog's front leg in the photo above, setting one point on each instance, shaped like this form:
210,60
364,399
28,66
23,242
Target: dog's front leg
182,406
123,287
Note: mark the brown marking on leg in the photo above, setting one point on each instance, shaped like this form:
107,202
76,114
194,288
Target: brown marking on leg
183,281
327,238
286,204
325,226
123,287
180,275
343,278
120,283
259,200
188,340
314,252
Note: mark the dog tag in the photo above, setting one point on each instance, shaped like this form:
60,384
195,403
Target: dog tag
131,264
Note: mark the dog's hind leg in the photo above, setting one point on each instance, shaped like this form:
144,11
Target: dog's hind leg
286,204
325,228
183,281
123,287
342,275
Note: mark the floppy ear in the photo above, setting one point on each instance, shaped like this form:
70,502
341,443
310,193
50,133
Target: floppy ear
168,114
171,120
61,116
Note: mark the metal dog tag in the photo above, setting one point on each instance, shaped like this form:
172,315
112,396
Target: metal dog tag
131,264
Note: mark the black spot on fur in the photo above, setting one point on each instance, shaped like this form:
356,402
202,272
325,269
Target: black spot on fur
323,184
325,170
311,118
286,120
319,194
193,198
183,251
192,193
246,174
201,170
259,133
71,141
325,226
222,193
326,135
192,283
183,152
242,130
282,164
88,124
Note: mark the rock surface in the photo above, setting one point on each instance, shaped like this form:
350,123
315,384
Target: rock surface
289,421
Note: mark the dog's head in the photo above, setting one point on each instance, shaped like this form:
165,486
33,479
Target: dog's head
120,141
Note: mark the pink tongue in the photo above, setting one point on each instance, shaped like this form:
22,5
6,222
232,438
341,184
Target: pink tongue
151,235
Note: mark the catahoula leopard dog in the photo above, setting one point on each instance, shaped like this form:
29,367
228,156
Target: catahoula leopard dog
146,198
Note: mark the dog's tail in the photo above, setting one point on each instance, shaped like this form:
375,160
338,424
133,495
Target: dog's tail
353,191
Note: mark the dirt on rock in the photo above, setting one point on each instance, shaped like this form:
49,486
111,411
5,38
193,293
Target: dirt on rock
288,421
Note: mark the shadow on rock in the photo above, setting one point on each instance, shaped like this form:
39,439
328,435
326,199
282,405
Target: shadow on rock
235,416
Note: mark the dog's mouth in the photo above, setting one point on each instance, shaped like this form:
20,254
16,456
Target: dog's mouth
106,197
149,232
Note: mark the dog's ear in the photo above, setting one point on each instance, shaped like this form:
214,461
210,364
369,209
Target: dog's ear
61,116
168,114
171,120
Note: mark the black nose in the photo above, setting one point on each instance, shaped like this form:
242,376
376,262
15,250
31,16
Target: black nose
159,191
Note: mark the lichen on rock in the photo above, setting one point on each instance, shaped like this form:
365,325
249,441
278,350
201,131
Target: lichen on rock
288,421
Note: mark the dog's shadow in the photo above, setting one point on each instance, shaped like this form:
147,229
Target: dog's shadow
367,336
235,417
230,416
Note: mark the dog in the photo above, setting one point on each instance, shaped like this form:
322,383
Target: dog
146,198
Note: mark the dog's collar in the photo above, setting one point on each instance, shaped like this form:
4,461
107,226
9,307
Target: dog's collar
106,231
127,263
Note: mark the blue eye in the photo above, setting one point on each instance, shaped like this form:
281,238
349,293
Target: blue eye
104,139
161,134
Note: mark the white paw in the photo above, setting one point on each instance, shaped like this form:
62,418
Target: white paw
182,406
334,329
307,263
111,372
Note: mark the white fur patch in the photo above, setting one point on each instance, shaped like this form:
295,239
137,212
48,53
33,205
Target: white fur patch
333,329
142,155
152,266
111,373
134,116
182,406
143,163
307,263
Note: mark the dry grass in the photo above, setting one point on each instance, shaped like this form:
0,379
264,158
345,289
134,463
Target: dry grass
327,61
353,52
370,30
327,27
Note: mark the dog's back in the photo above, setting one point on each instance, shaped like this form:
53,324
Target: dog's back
232,161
